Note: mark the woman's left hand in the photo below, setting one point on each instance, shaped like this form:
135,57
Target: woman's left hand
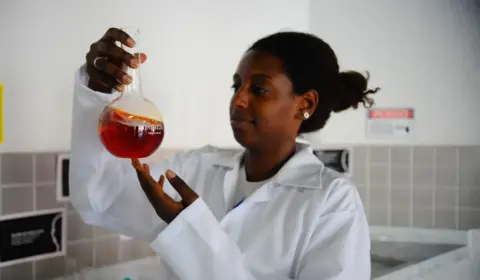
165,207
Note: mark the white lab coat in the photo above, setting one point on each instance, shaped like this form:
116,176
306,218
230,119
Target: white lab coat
307,222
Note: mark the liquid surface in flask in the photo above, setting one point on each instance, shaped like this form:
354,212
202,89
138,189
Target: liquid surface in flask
128,136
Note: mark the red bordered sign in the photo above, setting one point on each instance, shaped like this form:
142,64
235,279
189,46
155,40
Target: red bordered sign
390,123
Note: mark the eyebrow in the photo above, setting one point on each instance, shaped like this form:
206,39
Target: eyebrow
254,76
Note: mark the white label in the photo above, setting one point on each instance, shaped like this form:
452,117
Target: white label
390,123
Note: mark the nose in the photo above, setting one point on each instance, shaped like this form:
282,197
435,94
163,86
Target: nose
240,98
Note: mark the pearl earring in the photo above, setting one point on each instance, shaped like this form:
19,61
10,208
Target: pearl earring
306,115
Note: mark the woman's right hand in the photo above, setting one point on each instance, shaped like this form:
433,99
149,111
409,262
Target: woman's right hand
106,61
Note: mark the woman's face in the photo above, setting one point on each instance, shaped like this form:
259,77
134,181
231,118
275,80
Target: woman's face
263,111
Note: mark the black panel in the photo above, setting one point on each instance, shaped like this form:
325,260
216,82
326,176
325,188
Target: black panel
31,236
336,159
65,170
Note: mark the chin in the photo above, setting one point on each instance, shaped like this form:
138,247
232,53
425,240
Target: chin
243,139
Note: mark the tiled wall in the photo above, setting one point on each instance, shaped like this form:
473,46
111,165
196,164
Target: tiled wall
28,184
430,187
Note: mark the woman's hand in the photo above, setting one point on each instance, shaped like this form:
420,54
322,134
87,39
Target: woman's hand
106,61
165,207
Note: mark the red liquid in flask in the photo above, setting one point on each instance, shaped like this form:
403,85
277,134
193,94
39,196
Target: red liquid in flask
129,136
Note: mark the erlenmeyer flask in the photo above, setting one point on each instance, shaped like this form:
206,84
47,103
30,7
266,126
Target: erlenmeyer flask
131,126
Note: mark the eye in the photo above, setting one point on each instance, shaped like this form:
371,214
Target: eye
258,91
235,87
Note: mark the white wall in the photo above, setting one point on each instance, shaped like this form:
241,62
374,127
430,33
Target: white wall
423,54
193,48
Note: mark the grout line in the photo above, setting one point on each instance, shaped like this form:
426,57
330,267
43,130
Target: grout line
434,186
457,192
17,185
94,253
412,168
45,183
389,187
34,270
34,186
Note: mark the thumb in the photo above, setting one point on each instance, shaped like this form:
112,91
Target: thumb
186,193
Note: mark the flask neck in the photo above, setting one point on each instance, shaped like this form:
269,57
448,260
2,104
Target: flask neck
134,88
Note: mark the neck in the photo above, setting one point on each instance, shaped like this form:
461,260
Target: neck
135,86
261,164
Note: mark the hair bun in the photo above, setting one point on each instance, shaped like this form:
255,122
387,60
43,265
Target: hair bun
354,91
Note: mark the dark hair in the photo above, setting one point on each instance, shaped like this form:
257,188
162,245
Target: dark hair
311,64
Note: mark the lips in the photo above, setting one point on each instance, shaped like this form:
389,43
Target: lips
240,122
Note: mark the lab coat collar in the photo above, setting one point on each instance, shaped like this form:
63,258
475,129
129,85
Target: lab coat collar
303,170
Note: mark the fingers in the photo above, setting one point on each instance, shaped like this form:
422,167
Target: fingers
108,61
116,35
115,53
108,67
186,193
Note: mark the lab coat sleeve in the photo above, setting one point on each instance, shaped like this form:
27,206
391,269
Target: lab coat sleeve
196,247
339,249
104,189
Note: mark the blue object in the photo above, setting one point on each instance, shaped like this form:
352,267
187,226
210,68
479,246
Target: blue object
238,203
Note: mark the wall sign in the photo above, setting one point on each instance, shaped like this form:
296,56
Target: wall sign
338,159
32,236
63,167
390,123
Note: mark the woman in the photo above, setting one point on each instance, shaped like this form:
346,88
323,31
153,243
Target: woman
272,211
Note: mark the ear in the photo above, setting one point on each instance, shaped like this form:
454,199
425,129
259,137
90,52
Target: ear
307,103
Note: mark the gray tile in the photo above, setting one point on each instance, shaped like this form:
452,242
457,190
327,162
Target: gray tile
423,177
422,198
363,192
446,156
423,156
379,196
82,254
379,155
132,250
446,177
401,176
445,218
469,219
400,216
23,271
46,197
17,168
360,155
469,198
50,268
468,156
77,229
446,198
423,218
401,156
378,216
379,176
106,252
469,177
400,197
17,199
45,167
360,176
